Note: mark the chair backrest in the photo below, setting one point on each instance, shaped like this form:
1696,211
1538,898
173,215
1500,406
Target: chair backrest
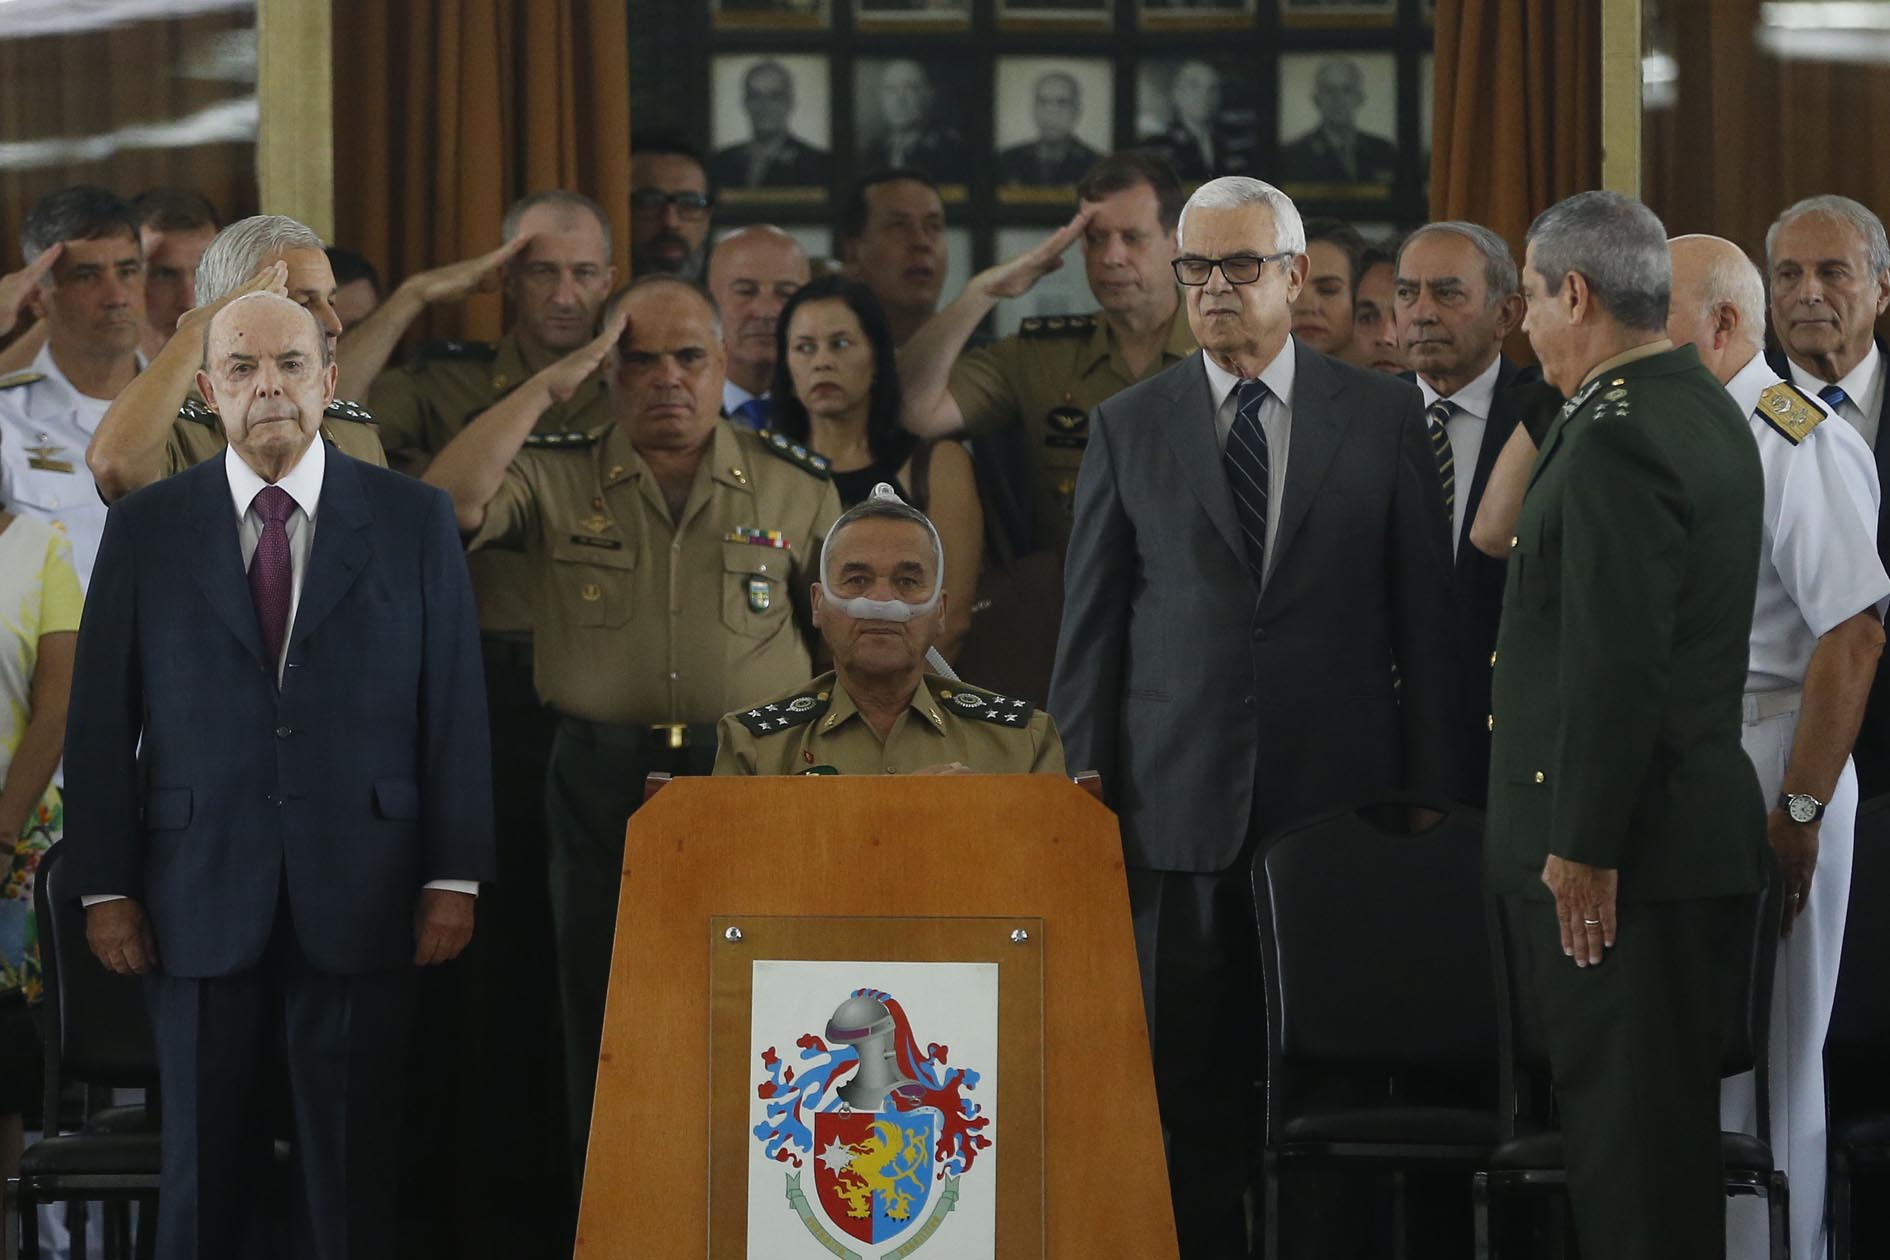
1746,1036
98,1030
1373,950
1860,1015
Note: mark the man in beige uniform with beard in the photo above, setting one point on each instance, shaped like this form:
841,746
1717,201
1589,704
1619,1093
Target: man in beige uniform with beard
879,605
669,547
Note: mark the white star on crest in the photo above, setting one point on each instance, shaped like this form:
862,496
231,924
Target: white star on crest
836,1158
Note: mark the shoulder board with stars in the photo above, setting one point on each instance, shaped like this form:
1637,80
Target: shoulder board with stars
20,378
1789,411
477,351
572,441
342,409
980,705
780,715
795,454
1038,326
197,413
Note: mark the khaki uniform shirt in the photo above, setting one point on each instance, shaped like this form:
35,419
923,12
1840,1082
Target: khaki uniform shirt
1049,376
197,435
817,729
644,619
424,404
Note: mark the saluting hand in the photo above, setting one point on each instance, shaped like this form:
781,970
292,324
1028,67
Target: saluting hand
273,278
562,379
1795,845
442,925
17,287
1584,905
1019,275
120,936
463,279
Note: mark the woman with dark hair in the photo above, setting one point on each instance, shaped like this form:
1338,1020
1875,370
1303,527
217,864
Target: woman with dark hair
836,391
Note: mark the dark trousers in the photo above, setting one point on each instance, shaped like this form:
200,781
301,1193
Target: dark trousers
1200,965
497,1183
1636,1045
223,1043
593,786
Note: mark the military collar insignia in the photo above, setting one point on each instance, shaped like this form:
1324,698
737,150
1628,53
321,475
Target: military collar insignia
197,413
780,715
777,445
560,441
341,409
1789,411
1041,326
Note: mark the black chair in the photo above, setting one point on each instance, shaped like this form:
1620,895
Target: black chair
1341,901
97,1032
1857,1044
1530,1158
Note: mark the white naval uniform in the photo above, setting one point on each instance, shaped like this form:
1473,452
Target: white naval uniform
45,427
1819,568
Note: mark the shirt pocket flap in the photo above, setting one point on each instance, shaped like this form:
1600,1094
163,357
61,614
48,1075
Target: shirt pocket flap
768,562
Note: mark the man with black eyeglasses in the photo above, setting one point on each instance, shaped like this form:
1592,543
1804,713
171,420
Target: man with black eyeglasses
670,205
1259,542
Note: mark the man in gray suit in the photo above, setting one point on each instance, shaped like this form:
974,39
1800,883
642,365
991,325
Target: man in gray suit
1259,539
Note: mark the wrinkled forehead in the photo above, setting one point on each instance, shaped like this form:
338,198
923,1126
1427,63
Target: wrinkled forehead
1816,237
263,324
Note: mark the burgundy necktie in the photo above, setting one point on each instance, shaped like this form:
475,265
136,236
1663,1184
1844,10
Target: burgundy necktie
270,583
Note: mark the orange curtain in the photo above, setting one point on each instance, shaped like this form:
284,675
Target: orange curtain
447,111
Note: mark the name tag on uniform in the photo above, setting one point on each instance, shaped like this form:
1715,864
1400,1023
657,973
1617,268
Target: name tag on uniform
608,544
42,458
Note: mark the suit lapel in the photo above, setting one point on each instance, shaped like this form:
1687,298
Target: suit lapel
1197,445
1318,430
341,547
219,573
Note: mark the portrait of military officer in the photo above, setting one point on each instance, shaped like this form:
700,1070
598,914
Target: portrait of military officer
1201,116
672,554
906,115
1067,105
878,605
769,97
1351,100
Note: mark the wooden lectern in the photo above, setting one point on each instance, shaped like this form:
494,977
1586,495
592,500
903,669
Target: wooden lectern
705,851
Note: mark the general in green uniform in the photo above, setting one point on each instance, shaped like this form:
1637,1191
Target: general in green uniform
818,729
1617,778
1048,377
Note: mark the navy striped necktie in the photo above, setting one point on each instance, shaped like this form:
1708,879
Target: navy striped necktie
1247,464
1833,396
1436,417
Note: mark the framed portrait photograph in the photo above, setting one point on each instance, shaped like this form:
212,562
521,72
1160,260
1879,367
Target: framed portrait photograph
771,129
912,15
1055,118
777,15
1426,108
1202,114
911,113
1064,291
1056,15
1339,12
1338,116
1194,15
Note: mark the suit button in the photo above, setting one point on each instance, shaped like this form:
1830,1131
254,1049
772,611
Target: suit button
1513,540
275,800
1259,633
1492,721
1492,660
283,732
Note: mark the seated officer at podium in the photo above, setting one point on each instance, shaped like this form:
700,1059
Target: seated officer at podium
879,605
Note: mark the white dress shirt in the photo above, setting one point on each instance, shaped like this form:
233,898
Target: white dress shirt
733,396
1820,564
303,484
1465,428
1276,421
1863,392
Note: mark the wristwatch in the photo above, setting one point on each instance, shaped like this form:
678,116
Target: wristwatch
1801,807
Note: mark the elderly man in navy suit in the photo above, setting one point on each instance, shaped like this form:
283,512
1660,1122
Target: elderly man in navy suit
279,784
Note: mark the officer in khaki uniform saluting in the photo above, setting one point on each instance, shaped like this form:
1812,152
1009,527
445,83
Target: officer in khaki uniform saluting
879,605
157,426
1050,375
669,547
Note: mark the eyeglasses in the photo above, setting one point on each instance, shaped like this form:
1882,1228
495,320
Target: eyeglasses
1239,269
689,205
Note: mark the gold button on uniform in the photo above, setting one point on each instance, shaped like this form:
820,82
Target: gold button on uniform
1492,659
1492,721
1538,776
1513,540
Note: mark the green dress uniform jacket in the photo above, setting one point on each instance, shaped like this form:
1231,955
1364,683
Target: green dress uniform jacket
1621,659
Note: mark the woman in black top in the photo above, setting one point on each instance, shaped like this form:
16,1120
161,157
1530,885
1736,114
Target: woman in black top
836,391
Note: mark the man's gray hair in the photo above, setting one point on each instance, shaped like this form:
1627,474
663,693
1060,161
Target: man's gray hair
1500,278
1232,191
564,197
1731,278
1616,244
1868,226
237,253
871,508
